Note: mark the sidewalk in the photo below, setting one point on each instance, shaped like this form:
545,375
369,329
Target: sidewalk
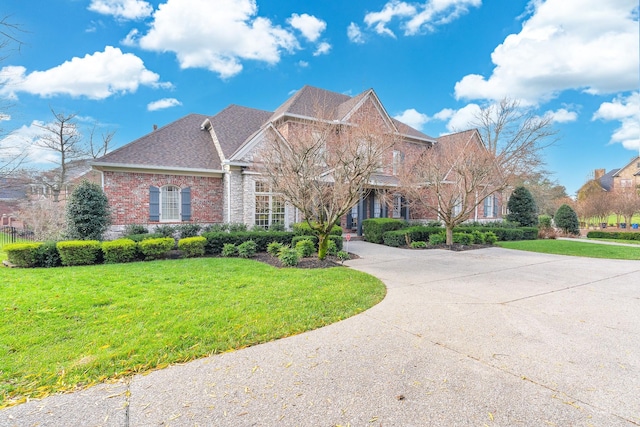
486,337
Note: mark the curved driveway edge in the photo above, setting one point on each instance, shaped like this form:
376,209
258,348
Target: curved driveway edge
486,337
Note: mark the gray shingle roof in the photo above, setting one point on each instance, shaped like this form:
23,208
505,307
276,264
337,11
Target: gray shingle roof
235,125
606,180
181,144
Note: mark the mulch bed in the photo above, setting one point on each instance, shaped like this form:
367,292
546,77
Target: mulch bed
311,262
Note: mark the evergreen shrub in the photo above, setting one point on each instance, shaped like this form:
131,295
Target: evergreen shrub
79,252
120,250
374,228
156,248
191,247
23,254
247,249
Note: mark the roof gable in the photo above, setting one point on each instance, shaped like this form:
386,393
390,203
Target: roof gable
235,125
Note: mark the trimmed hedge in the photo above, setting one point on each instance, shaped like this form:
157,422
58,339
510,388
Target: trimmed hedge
216,240
23,254
398,238
374,228
79,252
144,236
121,250
615,235
303,229
156,248
192,246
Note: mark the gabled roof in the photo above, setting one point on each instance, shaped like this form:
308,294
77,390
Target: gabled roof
307,101
606,180
456,137
187,143
178,145
633,164
235,125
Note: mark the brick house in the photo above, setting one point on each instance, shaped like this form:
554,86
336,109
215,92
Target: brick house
627,176
199,168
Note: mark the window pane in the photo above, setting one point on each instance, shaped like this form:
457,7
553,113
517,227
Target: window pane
170,204
262,211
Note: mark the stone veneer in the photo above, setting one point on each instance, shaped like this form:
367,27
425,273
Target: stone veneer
128,195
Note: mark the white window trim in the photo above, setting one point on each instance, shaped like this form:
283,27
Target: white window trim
161,207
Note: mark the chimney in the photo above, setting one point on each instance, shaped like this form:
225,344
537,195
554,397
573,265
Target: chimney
155,127
599,173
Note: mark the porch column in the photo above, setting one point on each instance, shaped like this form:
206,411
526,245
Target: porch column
360,214
406,210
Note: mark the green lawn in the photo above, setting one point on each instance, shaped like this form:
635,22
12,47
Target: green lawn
574,248
71,327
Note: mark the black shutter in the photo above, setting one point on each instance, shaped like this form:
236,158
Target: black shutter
485,210
495,206
185,197
154,203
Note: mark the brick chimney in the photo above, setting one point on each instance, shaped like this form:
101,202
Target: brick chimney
599,173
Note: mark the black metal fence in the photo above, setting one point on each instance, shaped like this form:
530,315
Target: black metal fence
10,234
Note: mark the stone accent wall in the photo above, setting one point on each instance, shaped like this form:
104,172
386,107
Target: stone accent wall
233,186
128,195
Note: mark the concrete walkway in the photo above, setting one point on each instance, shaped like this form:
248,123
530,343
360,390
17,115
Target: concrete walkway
487,337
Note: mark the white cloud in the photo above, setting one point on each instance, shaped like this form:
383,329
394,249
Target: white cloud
96,76
355,33
459,120
417,18
303,64
626,110
322,49
216,34
163,103
562,115
131,38
4,117
588,45
122,9
391,10
25,140
413,118
310,26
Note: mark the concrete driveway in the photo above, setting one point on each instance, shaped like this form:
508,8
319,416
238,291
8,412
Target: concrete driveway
487,337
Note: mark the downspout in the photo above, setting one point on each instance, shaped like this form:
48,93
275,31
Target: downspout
475,215
229,195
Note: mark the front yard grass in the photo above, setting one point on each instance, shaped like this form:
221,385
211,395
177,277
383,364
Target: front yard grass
574,248
65,328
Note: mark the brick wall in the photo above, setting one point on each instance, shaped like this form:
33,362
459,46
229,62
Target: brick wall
128,195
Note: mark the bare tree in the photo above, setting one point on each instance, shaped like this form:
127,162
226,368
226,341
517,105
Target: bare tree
322,166
451,179
515,136
63,137
11,156
597,205
626,202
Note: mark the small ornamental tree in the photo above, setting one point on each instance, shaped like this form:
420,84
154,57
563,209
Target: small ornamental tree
566,219
522,208
87,212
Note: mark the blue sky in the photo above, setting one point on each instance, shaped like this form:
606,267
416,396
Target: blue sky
130,64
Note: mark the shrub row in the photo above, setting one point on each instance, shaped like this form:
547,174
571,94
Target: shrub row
375,228
217,240
88,252
407,235
303,229
615,235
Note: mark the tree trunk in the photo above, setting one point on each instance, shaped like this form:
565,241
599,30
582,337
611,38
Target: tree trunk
323,244
449,235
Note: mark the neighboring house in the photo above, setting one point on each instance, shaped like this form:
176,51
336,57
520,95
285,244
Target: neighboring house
199,168
42,184
626,177
12,193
